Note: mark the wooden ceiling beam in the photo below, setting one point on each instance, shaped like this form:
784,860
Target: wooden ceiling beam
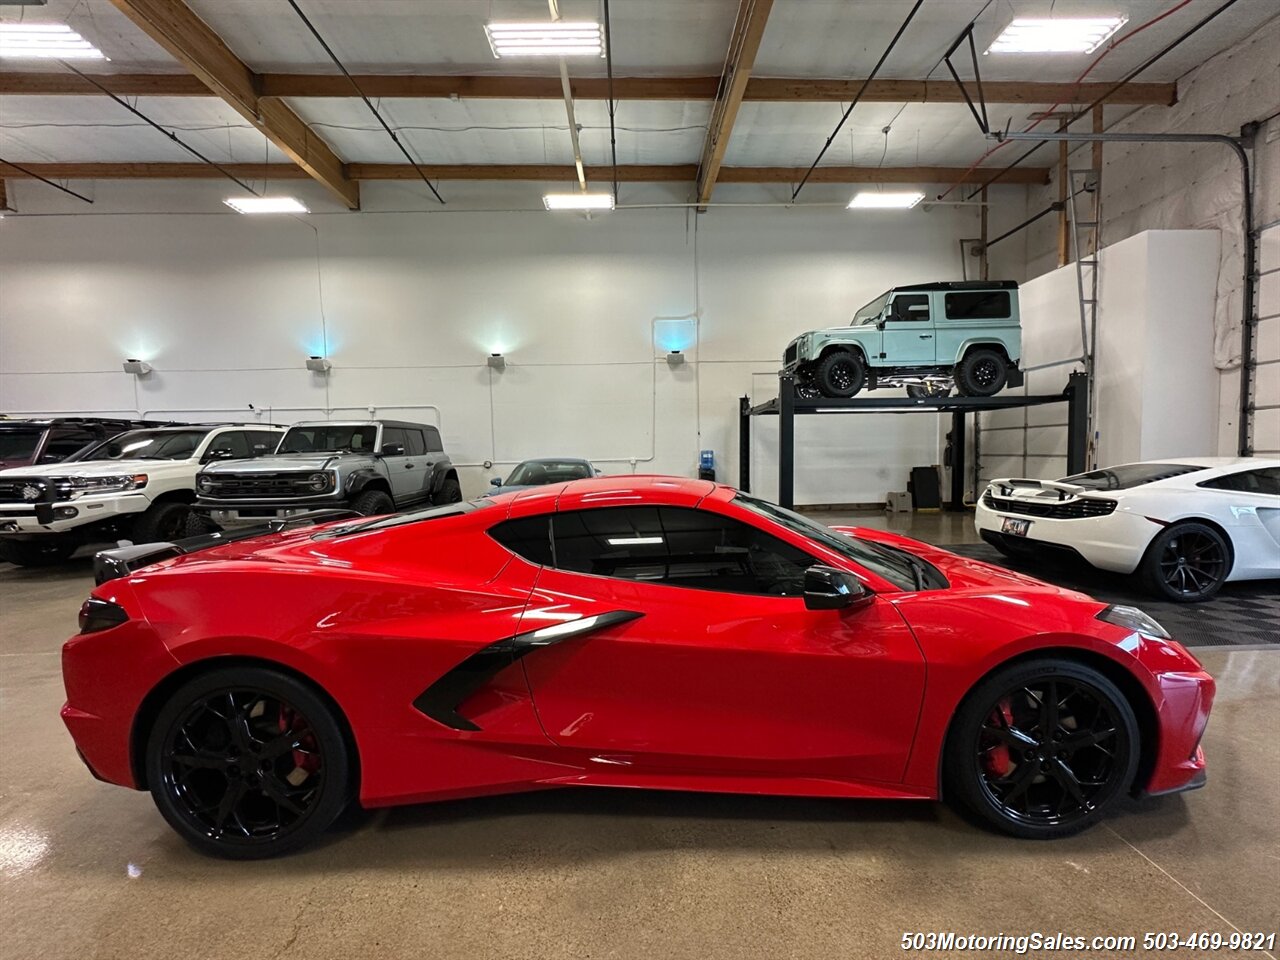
173,25
748,31
759,89
653,173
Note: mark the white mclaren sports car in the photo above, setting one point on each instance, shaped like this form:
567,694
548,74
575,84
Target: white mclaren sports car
1186,526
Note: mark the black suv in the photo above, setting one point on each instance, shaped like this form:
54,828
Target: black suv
28,443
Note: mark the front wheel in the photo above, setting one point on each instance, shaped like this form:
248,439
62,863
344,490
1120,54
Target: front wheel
163,521
982,373
245,763
840,374
373,503
1041,749
1187,563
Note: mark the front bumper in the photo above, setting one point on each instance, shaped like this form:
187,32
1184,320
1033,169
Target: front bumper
230,514
1182,714
38,519
1115,542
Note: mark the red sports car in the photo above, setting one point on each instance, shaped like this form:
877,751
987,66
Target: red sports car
617,632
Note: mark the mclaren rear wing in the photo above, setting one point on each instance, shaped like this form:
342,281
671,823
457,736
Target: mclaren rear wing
1034,489
123,560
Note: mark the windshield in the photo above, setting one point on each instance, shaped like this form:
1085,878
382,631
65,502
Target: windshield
871,312
330,438
533,473
902,569
20,443
400,519
1129,475
148,445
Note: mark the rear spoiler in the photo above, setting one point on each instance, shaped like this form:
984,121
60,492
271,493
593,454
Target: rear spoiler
1009,486
123,560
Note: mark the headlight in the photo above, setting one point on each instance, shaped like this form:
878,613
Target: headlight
320,482
80,486
1131,618
204,483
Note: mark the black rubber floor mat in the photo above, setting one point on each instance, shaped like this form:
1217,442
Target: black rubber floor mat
1241,613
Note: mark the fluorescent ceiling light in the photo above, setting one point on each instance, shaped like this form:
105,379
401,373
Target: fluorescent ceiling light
874,200
265,205
578,201
49,41
562,38
1058,35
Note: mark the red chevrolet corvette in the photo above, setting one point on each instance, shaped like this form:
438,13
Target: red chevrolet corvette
629,632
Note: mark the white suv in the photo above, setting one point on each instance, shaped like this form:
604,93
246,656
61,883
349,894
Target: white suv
137,486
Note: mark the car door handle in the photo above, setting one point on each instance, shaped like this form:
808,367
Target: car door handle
408,466
926,336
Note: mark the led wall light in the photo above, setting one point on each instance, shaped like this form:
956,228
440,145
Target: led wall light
137,367
497,361
319,365
675,358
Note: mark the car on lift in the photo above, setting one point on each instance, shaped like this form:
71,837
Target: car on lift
137,486
539,472
926,337
365,466
642,632
58,439
1185,526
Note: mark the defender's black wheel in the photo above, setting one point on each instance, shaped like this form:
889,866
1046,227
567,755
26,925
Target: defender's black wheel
373,503
807,390
1041,749
982,373
450,492
840,374
166,520
1187,563
247,763
44,552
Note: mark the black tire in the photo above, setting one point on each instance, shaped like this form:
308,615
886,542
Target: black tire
199,524
999,758
450,492
44,552
216,758
373,503
982,373
840,374
163,521
1187,563
919,391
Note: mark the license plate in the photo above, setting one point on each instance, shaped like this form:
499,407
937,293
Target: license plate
1014,527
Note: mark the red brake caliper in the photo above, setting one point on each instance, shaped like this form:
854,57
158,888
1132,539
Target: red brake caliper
996,758
306,760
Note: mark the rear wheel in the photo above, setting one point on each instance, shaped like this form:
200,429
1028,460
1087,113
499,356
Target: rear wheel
372,503
166,520
1187,563
450,492
44,552
1041,749
982,373
840,374
248,763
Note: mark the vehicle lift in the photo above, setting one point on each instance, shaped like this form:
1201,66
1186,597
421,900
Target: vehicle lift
787,406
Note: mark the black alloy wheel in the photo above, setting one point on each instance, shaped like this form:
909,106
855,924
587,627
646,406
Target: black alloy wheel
982,373
840,374
249,765
1187,563
1041,750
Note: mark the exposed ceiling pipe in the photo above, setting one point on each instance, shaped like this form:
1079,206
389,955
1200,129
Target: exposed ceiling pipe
568,107
1237,147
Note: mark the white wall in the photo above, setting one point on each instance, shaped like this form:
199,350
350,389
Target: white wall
1149,186
410,299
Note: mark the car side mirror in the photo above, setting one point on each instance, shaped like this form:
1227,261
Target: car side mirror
495,482
826,588
393,449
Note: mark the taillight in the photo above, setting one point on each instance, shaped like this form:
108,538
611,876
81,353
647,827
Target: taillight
98,615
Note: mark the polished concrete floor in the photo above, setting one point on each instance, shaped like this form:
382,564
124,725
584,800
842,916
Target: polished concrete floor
91,871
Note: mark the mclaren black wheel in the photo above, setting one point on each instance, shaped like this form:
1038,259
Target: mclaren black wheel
1187,563
840,374
1042,749
248,763
982,373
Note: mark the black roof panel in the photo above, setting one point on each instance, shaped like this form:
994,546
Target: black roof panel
960,285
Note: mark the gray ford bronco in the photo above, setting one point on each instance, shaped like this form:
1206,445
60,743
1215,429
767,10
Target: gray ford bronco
926,337
369,467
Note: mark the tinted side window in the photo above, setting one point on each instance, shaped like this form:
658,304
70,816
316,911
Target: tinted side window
417,446
392,435
979,305
233,444
1249,481
262,442
910,306
434,444
678,547
63,443
528,537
